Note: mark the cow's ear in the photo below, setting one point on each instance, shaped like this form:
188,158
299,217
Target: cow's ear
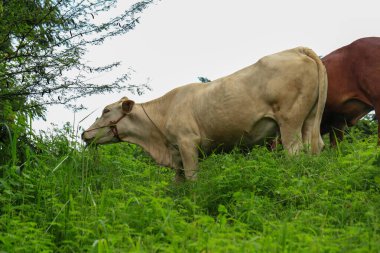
127,106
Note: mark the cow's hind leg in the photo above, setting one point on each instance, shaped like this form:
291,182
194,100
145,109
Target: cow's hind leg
290,123
291,137
307,131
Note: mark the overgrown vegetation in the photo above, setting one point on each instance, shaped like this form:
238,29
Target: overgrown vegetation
115,199
42,48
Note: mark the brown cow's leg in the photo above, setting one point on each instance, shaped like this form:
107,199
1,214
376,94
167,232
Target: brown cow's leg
376,107
336,132
377,113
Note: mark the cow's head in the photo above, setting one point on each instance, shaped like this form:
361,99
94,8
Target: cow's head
109,127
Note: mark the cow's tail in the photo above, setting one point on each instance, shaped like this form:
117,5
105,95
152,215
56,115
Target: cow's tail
316,140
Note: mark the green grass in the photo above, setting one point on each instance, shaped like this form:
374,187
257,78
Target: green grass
115,199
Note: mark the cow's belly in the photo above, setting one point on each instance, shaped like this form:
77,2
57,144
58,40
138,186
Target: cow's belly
261,131
353,110
258,134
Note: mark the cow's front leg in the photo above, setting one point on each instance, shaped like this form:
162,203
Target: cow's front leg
189,154
179,175
176,164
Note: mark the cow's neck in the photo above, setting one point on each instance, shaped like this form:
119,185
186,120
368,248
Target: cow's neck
151,136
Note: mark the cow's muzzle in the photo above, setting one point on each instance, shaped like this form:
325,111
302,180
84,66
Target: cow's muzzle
112,126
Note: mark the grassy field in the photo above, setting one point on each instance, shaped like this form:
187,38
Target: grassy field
115,199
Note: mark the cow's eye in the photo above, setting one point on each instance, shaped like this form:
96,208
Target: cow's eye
106,110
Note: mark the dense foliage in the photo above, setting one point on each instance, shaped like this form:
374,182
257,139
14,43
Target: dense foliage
115,199
42,44
40,41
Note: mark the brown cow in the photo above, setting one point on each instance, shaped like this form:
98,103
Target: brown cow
354,86
283,92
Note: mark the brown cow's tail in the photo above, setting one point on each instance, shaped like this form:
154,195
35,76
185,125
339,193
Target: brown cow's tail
316,139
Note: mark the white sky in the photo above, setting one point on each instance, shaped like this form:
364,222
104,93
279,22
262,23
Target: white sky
179,40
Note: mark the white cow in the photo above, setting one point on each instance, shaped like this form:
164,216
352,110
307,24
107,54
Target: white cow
282,93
